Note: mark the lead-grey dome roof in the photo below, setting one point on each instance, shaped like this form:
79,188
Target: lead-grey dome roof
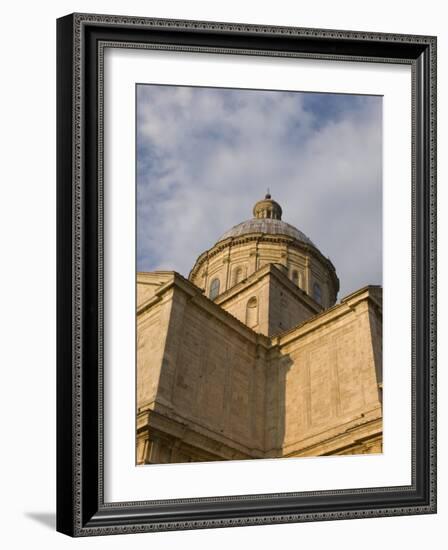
268,226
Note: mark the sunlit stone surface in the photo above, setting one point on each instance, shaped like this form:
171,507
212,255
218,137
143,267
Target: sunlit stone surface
251,358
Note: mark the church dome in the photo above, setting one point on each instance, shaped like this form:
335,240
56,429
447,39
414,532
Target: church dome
267,220
267,226
264,240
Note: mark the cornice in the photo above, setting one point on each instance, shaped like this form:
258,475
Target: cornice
346,305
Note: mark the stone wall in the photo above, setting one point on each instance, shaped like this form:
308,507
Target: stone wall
153,318
329,377
289,306
211,388
207,387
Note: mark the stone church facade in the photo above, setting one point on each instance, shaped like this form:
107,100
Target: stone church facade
251,357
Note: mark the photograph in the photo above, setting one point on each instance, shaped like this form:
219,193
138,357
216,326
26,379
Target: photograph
259,274
246,269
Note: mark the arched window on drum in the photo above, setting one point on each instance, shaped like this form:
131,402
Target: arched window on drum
252,312
214,289
237,275
296,278
317,293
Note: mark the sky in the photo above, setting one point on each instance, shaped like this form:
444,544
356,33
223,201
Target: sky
206,155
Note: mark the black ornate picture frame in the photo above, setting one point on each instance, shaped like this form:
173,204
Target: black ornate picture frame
81,508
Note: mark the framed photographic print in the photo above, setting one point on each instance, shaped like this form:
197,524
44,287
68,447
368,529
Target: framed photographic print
246,274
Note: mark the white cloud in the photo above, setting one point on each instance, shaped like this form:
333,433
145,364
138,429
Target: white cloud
206,155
